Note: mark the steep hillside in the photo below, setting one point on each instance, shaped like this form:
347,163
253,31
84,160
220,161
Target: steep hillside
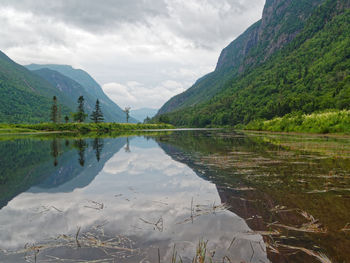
281,21
309,72
24,96
91,87
72,89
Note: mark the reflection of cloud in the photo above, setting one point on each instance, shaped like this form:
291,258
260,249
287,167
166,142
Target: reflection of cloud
145,183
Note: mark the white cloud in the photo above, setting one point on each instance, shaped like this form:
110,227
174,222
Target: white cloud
148,42
136,95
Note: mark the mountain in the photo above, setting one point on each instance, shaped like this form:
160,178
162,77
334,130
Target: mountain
111,110
73,90
143,113
24,96
296,58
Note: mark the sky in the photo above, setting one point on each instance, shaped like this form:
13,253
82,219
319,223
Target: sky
142,52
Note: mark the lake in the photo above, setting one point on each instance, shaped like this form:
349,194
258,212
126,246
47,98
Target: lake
162,196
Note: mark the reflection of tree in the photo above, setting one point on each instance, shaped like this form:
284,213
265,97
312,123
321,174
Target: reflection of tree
55,150
98,146
81,145
127,146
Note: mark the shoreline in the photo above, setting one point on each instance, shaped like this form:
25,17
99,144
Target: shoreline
78,128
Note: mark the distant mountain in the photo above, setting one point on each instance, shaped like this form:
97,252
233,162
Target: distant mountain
24,96
73,90
143,113
110,109
296,58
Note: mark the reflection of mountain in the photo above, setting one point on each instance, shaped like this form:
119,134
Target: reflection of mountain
50,165
71,174
188,146
257,178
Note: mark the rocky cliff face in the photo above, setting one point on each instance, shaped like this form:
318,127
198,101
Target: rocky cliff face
281,21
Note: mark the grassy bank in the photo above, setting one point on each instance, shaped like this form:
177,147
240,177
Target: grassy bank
325,122
79,127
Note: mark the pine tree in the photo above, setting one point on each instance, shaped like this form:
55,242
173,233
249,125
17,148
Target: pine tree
80,115
54,109
97,115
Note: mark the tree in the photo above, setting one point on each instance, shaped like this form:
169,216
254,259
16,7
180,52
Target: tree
98,146
81,145
59,114
127,111
55,151
66,119
80,115
97,115
54,109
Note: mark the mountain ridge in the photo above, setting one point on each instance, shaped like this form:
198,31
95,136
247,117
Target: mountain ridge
25,97
307,74
110,109
249,49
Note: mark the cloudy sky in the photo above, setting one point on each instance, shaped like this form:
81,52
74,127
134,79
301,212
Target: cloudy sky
142,52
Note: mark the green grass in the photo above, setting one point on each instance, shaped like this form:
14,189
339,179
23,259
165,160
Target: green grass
323,122
78,127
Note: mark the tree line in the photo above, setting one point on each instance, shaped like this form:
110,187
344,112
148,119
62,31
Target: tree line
79,116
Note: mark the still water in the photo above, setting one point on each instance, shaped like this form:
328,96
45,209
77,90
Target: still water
156,197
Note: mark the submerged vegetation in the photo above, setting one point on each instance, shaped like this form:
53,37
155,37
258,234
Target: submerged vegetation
323,122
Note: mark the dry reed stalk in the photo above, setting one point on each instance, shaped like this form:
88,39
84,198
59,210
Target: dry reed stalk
320,256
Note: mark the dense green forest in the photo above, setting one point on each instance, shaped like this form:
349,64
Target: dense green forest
311,73
25,97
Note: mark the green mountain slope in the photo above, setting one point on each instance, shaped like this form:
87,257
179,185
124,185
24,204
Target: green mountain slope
110,109
308,73
72,89
282,20
24,96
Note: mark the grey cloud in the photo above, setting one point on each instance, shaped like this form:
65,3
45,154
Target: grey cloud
203,22
152,42
91,15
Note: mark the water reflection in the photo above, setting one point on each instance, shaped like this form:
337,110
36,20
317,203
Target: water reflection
98,146
81,145
293,189
127,145
102,200
55,151
128,198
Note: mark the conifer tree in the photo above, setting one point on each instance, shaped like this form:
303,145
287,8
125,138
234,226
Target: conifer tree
97,115
54,109
80,115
